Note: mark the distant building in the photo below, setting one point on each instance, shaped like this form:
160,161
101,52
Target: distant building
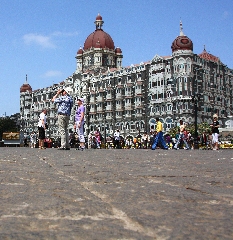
130,98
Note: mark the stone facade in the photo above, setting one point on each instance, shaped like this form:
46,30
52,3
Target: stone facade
130,98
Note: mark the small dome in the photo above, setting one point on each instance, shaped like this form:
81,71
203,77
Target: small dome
80,51
182,42
99,17
26,87
118,50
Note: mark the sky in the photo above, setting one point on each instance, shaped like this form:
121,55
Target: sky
40,39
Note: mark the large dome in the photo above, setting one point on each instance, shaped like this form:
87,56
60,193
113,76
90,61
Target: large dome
99,38
182,42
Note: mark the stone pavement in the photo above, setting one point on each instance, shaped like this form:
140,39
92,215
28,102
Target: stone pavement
116,194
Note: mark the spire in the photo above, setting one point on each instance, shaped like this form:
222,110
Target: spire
204,49
181,29
26,78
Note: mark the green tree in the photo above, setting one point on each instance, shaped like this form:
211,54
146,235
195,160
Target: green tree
7,125
202,127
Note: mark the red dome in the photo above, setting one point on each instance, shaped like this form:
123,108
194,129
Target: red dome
98,17
99,39
26,87
118,50
80,51
182,43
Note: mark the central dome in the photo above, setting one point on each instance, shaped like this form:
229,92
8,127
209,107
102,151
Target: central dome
99,38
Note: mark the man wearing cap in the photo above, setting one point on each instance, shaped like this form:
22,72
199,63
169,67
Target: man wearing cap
65,104
79,122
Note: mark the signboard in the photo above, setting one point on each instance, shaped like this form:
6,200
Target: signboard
10,136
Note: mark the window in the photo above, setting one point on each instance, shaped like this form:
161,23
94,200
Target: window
169,107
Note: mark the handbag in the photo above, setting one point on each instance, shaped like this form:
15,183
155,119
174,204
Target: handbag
46,126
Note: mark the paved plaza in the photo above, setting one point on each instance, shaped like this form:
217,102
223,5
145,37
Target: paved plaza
116,194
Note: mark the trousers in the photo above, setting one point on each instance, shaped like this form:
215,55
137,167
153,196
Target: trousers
159,138
181,137
63,122
80,131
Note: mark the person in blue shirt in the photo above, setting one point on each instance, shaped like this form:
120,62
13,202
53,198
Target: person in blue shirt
65,104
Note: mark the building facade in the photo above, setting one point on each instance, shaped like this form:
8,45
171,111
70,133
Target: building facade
130,98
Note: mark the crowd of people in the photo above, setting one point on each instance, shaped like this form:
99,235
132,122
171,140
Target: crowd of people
154,140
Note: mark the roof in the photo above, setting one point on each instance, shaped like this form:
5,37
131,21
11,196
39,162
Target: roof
207,56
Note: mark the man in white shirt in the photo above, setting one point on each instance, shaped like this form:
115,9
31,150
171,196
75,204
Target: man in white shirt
41,128
117,138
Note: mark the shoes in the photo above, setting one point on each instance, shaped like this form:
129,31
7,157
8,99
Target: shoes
81,149
175,148
61,148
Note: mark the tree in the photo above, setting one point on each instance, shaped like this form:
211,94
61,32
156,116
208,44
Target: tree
7,125
202,127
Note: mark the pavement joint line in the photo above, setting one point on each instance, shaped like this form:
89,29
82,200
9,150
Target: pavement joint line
117,214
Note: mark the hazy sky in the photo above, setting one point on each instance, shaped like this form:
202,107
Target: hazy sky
41,38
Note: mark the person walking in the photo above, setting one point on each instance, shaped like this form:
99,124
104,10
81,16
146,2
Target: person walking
182,136
65,104
41,128
215,132
79,123
159,136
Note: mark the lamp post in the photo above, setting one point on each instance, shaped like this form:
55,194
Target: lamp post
195,100
22,122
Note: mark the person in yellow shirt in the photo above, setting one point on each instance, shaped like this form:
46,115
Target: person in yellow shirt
159,136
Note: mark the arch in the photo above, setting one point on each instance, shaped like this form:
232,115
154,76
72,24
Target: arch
142,124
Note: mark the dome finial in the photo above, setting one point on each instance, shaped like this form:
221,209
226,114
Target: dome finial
26,78
99,22
181,29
